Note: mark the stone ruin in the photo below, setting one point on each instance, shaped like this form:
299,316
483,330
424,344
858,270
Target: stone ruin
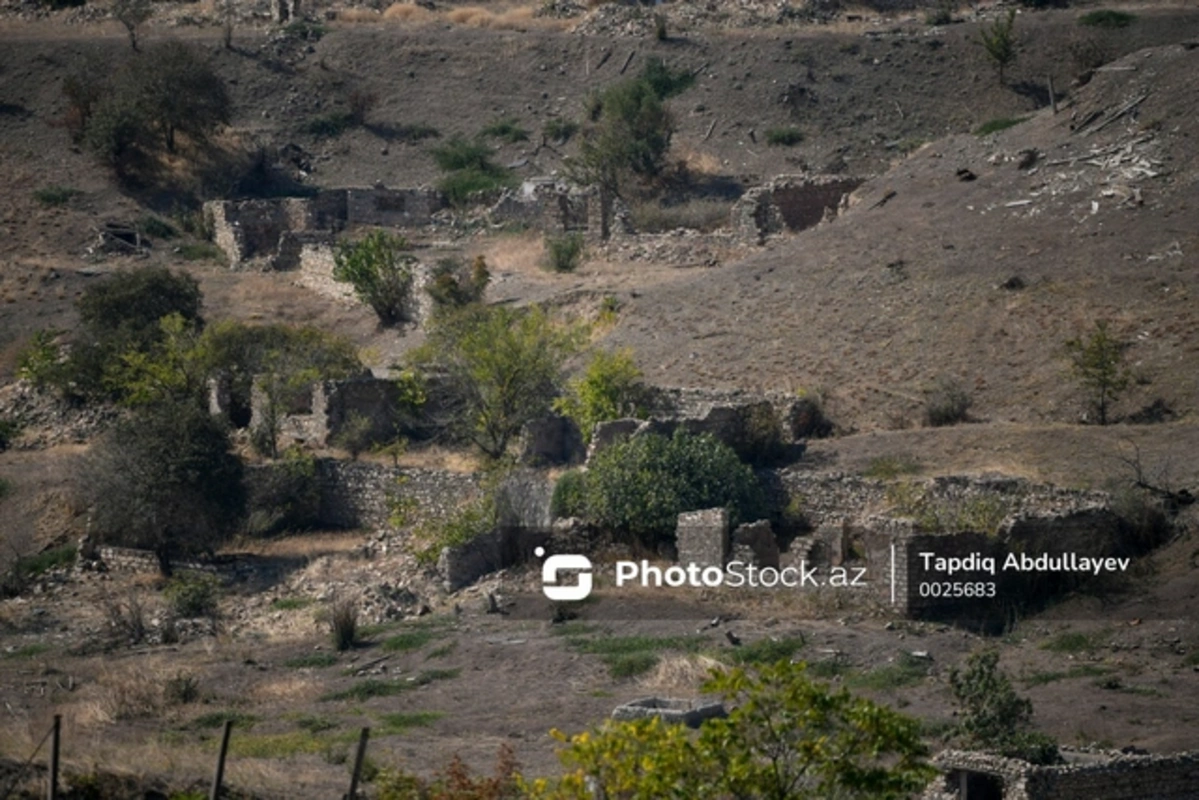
790,203
1086,775
670,710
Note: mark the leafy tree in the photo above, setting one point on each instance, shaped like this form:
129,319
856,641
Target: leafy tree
502,367
164,479
133,302
631,133
131,14
993,716
173,369
180,93
999,41
1097,363
609,388
639,486
380,271
787,737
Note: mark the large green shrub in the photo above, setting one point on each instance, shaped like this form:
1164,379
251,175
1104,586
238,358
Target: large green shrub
380,270
609,388
640,485
1098,363
502,367
284,496
993,716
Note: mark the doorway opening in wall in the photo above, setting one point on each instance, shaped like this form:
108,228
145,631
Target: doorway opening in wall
979,786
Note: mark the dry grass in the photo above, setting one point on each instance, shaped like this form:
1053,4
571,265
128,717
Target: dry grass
513,19
408,12
290,689
681,674
308,545
697,161
129,691
521,253
358,15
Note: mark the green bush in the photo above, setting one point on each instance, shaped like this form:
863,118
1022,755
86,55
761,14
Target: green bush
52,196
631,133
564,253
1098,364
193,594
784,137
354,435
560,130
380,271
999,42
460,527
343,624
993,716
639,486
947,404
452,287
665,81
609,388
284,496
331,125
997,125
1107,18
569,497
10,428
506,129
157,228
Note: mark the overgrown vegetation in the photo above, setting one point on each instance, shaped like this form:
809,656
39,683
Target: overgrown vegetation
993,716
163,479
380,270
786,736
468,170
639,486
977,514
451,286
947,403
610,387
1107,18
506,129
997,124
999,42
1098,364
192,594
788,136
502,367
564,252
343,623
54,196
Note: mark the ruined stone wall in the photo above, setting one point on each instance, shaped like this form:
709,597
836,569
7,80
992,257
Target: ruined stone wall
790,202
1086,776
392,208
357,495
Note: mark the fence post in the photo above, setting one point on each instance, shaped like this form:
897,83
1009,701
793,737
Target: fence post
366,733
52,792
219,776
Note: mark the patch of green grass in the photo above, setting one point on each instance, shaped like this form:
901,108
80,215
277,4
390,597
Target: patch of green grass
156,228
314,723
1053,676
889,467
371,687
506,129
784,137
303,29
1107,18
53,196
317,660
575,628
28,651
217,719
630,665
402,722
1073,642
1114,683
443,651
1192,658
998,124
329,126
768,651
408,641
201,251
828,668
906,671
32,566
560,130
276,745
290,603
459,186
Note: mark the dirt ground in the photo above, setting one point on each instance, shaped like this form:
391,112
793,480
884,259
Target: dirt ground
912,283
